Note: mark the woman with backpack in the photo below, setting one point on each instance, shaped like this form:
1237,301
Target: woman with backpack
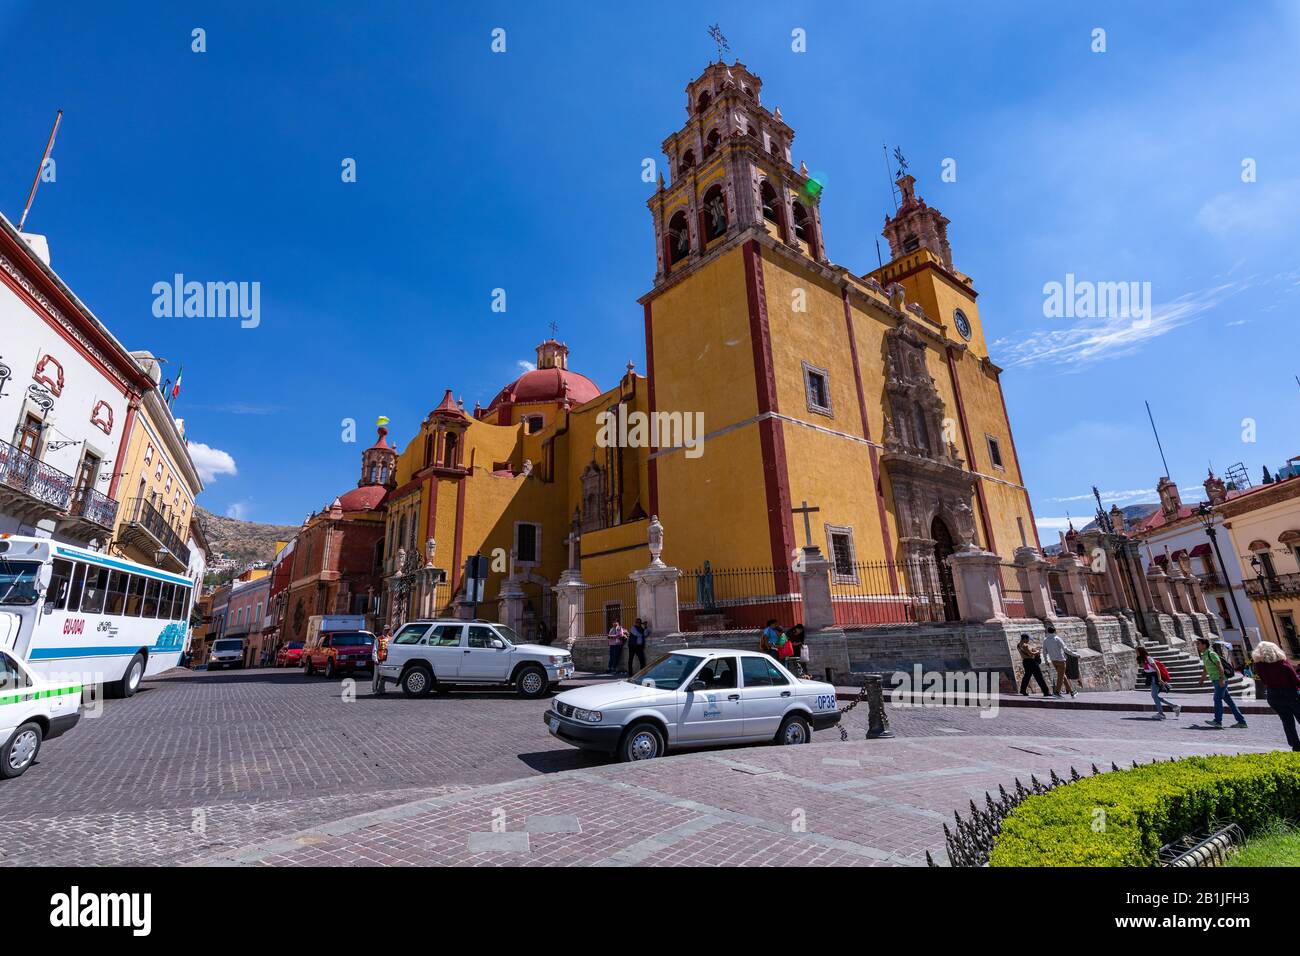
1158,676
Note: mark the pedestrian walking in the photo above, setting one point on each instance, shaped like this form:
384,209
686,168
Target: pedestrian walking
637,640
378,654
1158,676
617,638
1218,670
1057,652
1281,687
1030,658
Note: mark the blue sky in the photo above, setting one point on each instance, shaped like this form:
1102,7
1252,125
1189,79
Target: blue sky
521,171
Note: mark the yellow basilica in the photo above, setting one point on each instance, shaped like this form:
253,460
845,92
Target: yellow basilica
785,397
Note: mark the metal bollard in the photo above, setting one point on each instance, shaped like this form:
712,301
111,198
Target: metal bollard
877,720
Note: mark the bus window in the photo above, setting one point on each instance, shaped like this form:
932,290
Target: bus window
135,596
116,599
178,605
165,601
151,599
92,601
57,595
78,579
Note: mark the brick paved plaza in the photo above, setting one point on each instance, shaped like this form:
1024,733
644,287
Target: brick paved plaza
271,767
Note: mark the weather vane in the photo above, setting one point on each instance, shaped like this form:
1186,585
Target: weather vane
901,159
716,33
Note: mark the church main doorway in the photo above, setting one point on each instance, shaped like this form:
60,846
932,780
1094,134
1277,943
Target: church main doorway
943,547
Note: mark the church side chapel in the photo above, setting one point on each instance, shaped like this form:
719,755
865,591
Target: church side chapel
864,406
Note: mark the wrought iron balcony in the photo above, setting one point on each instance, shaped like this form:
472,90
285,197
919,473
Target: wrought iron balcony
147,529
1211,581
1278,584
30,489
91,512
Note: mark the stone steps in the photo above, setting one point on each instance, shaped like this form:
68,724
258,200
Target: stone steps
1185,674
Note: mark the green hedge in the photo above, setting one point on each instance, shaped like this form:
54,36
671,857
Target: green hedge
1147,807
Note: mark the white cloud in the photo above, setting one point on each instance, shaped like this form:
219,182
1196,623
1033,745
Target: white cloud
1053,524
1096,340
210,462
238,510
1252,210
526,366
1110,495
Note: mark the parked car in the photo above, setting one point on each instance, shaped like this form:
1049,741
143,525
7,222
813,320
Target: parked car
226,652
339,652
290,655
435,655
32,711
693,698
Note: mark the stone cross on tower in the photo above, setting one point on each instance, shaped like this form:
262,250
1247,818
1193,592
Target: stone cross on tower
807,525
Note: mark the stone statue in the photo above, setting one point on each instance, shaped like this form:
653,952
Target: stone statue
704,587
528,467
401,560
430,549
656,536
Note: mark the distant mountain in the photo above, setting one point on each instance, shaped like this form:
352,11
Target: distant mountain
1133,514
242,541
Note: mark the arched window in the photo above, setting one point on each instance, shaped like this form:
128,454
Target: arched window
688,160
772,210
703,102
711,143
715,214
449,451
679,238
802,230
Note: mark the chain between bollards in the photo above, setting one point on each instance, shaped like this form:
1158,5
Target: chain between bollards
873,692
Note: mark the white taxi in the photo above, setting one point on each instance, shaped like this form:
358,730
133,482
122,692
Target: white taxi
694,698
32,710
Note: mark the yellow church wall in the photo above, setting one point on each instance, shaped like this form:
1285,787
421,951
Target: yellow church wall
611,554
702,353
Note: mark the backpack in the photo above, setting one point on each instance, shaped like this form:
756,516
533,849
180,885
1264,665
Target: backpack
1228,670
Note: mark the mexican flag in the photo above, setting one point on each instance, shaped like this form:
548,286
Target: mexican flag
176,388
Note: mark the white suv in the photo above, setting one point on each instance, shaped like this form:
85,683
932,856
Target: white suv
431,655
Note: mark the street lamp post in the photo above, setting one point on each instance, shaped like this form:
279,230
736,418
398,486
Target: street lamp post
1258,565
1206,514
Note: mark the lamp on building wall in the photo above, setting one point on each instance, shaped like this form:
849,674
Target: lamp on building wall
1205,513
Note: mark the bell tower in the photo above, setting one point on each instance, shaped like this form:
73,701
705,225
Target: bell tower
730,168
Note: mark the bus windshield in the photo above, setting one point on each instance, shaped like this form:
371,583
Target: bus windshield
18,581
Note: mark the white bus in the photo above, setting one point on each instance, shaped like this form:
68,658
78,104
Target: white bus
66,610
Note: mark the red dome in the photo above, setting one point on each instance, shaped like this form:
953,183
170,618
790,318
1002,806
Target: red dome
365,498
547,385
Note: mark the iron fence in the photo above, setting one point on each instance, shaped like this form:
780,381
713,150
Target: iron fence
1058,588
1099,590
1014,596
603,604
868,593
737,599
33,477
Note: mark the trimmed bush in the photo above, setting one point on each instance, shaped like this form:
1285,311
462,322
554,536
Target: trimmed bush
1124,817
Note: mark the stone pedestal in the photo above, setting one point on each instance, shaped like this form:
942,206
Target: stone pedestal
511,609
1078,603
656,598
570,603
1158,585
1031,573
815,584
977,581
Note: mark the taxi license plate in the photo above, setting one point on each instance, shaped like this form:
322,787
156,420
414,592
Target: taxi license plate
554,725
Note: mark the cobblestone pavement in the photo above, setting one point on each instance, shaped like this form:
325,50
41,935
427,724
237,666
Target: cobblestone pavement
271,767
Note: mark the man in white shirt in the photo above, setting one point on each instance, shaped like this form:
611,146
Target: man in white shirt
1055,651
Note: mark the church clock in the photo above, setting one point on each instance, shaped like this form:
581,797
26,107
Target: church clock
963,323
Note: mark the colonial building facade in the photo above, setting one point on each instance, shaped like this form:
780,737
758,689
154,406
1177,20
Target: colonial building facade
869,396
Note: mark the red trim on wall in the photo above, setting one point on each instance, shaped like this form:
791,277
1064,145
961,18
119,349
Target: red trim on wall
119,463
776,476
989,541
431,524
871,449
652,466
1016,458
460,534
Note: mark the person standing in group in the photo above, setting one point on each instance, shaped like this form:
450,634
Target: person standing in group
768,642
617,638
1031,659
1056,652
1218,671
1281,687
798,639
636,643
1158,674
